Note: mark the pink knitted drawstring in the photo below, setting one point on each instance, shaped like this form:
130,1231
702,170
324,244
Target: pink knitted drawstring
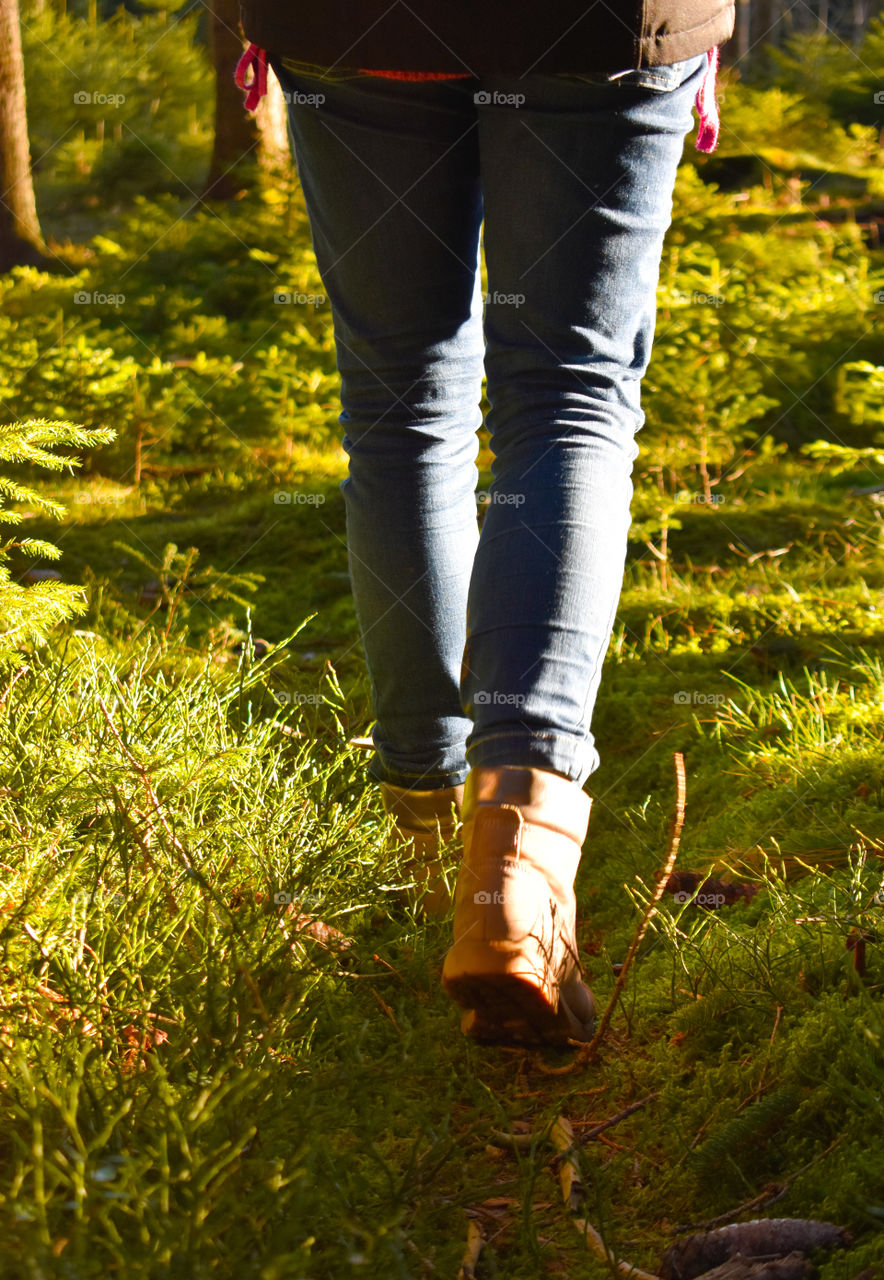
707,107
254,60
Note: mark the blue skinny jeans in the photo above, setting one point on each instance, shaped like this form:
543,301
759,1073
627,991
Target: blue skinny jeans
486,648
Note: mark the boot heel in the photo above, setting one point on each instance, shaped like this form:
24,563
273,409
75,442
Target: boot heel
425,821
514,965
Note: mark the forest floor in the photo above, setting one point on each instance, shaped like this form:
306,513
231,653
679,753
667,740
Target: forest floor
197,1079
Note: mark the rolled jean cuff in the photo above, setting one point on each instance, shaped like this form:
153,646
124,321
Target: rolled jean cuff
428,781
574,759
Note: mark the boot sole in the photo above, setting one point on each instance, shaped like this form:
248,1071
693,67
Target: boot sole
503,1008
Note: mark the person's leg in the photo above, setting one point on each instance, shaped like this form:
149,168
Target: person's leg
390,173
577,182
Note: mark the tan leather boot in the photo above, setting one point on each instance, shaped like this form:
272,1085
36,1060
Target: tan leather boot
425,821
514,965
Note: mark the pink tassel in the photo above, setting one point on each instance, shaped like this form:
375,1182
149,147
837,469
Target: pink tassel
254,60
707,107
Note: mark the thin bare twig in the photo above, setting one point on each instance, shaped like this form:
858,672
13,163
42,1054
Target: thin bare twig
145,781
588,1051
385,1008
770,1195
621,1115
760,1088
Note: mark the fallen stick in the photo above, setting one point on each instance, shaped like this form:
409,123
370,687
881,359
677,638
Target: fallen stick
475,1240
561,1135
600,1249
518,1141
361,744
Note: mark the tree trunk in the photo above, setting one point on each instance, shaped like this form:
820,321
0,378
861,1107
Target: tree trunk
766,23
741,31
859,20
236,132
21,241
